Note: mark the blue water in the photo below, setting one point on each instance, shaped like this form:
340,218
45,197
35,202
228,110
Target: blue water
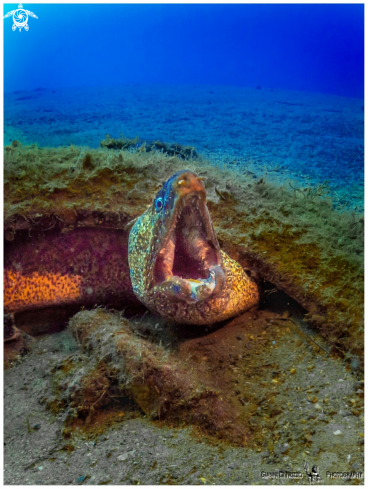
317,48
275,86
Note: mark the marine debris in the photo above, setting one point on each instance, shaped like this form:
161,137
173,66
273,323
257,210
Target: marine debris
240,384
143,146
114,363
295,240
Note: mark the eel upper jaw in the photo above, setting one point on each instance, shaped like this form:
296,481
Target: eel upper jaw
188,265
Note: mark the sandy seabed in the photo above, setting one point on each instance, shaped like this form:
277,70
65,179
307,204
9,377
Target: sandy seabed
304,138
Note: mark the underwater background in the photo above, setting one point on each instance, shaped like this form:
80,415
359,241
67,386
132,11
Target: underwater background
102,104
275,88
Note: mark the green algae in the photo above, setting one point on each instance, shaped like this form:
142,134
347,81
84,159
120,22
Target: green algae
173,149
294,237
119,143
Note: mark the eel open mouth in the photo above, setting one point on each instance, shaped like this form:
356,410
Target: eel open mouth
189,265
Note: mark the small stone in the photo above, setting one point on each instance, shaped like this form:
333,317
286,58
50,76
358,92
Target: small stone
354,363
81,478
293,371
284,448
40,468
124,456
337,432
37,427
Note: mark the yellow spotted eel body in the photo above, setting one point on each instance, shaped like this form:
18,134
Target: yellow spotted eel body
176,266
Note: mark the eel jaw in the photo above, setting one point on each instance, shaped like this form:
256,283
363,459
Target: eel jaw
188,266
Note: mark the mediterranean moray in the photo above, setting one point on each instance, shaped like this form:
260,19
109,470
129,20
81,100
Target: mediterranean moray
186,277
172,263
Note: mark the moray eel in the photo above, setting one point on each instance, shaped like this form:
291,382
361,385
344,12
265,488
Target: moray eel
171,263
176,266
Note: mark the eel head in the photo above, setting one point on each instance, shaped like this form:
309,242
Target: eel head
174,245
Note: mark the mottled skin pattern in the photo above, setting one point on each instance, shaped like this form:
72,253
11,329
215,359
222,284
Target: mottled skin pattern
154,280
82,267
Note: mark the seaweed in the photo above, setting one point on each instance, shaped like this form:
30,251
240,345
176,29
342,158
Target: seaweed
142,146
120,143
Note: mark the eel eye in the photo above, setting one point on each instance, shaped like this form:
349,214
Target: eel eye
159,204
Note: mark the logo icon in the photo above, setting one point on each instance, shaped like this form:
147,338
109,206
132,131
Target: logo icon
20,18
313,475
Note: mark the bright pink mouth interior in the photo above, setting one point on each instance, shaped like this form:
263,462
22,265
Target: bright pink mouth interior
190,250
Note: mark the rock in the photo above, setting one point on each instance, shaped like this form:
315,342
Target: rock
284,448
162,385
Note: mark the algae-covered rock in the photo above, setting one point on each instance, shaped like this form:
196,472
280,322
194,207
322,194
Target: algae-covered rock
241,383
120,143
116,362
293,238
169,149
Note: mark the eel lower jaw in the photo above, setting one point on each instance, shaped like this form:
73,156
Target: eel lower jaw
192,290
